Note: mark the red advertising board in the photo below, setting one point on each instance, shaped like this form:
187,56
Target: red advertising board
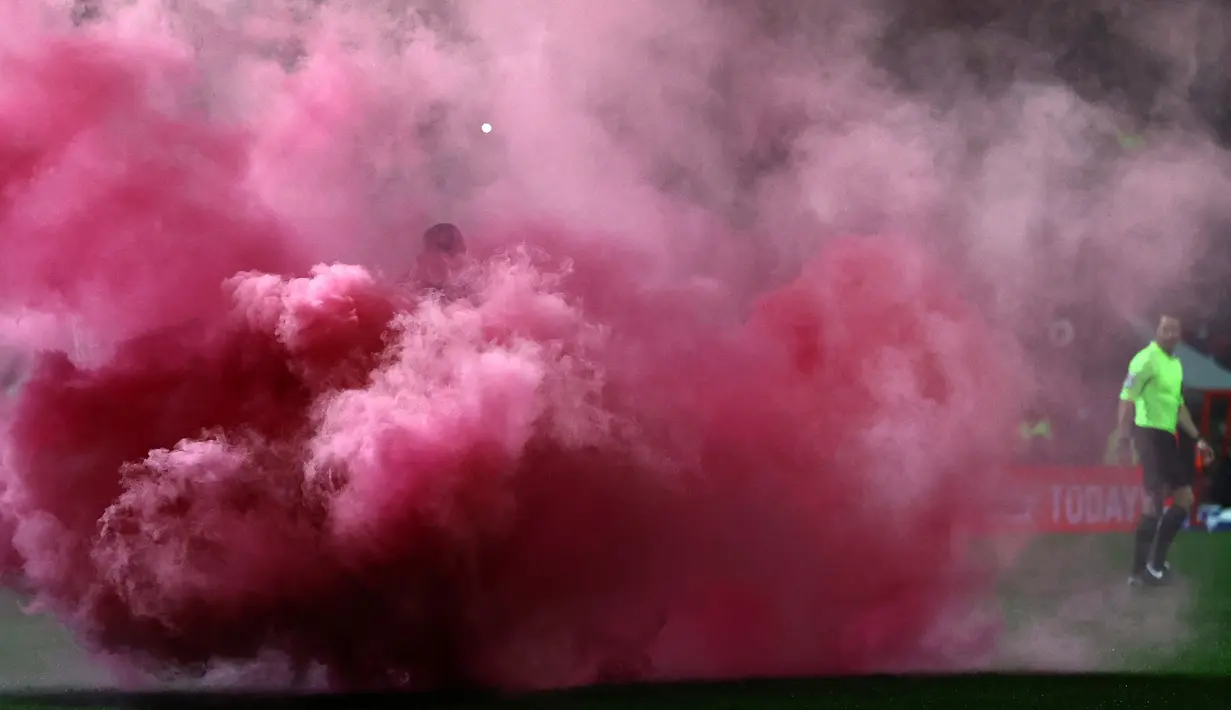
1071,499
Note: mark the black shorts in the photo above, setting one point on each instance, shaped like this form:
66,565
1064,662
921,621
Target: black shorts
1162,469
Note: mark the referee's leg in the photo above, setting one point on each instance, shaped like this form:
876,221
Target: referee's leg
1152,505
1147,532
1170,525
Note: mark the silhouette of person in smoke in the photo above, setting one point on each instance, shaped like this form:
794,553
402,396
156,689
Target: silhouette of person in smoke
439,266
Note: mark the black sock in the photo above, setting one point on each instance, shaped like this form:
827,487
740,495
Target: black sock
1147,528
1173,521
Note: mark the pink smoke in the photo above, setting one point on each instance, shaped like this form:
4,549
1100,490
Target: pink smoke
508,489
647,445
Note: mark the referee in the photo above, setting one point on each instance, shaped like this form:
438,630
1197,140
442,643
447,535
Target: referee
1151,407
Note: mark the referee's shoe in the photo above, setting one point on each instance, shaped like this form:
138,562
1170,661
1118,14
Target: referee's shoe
1152,577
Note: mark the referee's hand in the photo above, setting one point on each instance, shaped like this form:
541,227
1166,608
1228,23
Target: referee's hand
1205,451
1122,450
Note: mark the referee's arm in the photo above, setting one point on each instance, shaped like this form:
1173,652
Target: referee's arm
1139,374
1185,420
1186,423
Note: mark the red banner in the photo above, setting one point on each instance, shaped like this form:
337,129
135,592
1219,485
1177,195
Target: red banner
1064,499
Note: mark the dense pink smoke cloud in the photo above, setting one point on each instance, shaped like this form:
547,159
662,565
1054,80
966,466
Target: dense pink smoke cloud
647,444
510,495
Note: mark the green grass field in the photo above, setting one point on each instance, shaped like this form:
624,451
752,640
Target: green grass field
1065,604
1071,589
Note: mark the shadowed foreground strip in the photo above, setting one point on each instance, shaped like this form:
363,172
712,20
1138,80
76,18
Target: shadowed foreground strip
887,693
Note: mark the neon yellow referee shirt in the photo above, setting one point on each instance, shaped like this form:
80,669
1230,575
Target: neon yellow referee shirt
1155,386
